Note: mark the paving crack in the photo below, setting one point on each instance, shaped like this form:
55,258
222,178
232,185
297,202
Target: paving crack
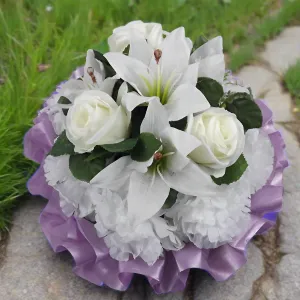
190,286
269,244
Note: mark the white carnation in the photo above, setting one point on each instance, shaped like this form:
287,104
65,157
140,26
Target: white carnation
72,191
259,154
124,236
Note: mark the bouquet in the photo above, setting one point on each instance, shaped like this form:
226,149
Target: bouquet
155,160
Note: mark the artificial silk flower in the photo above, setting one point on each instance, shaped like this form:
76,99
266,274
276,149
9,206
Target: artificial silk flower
123,236
155,207
163,73
221,139
123,35
149,182
96,119
210,59
93,79
72,192
211,62
209,221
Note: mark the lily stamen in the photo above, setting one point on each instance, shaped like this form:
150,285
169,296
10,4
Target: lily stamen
168,154
157,55
90,71
158,156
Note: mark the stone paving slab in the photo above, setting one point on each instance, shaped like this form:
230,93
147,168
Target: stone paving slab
289,266
265,84
283,51
239,287
280,103
32,271
258,78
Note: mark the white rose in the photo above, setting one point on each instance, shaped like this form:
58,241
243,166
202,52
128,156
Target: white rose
122,35
95,119
222,139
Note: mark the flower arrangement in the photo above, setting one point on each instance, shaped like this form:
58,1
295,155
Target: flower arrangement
155,160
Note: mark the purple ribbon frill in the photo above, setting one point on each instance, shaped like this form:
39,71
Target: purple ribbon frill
169,273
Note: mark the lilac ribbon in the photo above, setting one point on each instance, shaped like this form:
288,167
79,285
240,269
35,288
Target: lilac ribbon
169,273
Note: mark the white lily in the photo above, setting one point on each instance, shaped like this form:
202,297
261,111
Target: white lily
164,73
150,181
122,36
211,62
93,79
210,58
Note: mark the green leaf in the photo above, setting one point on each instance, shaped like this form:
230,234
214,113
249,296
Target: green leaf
62,146
137,117
126,50
245,109
84,169
211,89
99,152
201,40
123,146
180,124
131,88
145,147
116,89
233,173
64,100
171,199
109,71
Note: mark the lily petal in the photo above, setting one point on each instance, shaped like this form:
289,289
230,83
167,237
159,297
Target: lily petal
123,90
213,67
186,99
190,75
156,119
191,180
141,50
114,176
175,54
107,85
94,66
212,47
154,34
147,194
131,100
176,162
131,70
183,142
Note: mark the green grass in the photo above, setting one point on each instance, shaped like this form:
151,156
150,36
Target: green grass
292,82
263,31
31,36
